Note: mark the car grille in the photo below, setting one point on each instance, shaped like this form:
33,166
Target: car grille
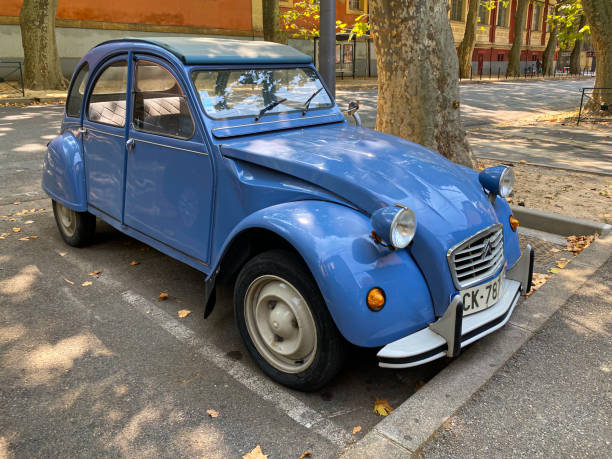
478,257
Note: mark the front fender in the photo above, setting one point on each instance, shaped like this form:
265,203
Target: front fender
334,241
63,172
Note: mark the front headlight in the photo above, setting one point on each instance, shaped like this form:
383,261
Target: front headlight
498,180
394,225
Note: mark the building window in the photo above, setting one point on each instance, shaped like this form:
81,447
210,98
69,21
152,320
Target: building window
502,13
286,3
456,10
537,16
354,6
500,58
482,14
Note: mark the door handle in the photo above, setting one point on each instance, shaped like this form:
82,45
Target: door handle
82,130
129,145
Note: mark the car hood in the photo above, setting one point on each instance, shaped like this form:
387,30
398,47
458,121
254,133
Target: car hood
372,170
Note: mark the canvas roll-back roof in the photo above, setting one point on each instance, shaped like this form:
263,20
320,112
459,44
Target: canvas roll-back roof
203,50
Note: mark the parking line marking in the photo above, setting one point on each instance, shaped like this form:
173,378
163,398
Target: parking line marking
263,387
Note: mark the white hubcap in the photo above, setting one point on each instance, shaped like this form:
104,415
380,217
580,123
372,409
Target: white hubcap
280,324
67,219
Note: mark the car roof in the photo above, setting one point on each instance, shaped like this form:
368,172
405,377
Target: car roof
204,50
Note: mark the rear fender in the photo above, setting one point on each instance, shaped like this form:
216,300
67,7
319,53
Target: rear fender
63,172
334,241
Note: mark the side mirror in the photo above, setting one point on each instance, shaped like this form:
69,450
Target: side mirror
352,112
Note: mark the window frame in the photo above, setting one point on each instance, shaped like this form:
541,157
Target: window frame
487,15
152,60
72,86
505,9
535,21
91,86
461,8
359,12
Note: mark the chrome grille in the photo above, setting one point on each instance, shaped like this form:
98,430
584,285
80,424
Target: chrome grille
478,257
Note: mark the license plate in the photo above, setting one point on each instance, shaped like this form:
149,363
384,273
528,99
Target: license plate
482,296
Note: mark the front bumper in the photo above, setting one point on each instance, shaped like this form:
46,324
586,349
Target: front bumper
451,332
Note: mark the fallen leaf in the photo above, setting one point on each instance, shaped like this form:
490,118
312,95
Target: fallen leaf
577,244
62,254
213,413
19,170
356,429
183,313
24,238
17,203
256,453
87,283
382,407
305,454
16,230
12,219
33,237
29,222
69,281
555,250
553,270
162,296
134,263
3,235
562,263
97,272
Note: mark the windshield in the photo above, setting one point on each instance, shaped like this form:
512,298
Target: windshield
240,93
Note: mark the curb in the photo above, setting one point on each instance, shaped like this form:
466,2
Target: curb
32,100
562,225
405,431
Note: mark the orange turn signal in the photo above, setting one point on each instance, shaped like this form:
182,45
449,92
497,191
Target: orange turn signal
514,223
376,299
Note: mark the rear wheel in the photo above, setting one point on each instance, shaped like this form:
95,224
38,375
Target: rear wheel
284,321
77,228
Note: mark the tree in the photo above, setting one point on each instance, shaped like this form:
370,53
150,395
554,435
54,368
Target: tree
418,89
548,58
40,56
575,56
599,17
514,58
303,21
466,48
271,22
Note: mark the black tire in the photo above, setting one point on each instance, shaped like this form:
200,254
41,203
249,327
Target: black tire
80,230
327,359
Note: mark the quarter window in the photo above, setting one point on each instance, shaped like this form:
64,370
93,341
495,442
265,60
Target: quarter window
77,90
160,107
106,103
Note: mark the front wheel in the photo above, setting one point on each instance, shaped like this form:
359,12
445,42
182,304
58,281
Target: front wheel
77,228
284,321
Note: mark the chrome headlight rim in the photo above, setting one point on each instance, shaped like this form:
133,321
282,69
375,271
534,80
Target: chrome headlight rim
395,238
506,182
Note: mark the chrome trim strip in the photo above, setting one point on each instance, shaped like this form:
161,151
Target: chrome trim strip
89,128
272,122
203,153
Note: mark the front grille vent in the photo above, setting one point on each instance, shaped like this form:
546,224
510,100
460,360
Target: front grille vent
478,257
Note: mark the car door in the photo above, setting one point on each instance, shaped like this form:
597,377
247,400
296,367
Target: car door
104,137
168,193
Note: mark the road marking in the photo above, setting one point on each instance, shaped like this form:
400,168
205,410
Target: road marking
263,387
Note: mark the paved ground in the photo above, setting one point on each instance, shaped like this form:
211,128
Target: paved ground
553,398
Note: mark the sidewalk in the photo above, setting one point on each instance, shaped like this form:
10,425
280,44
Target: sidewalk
552,398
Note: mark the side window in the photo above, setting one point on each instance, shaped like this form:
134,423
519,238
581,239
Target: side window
77,90
106,102
160,107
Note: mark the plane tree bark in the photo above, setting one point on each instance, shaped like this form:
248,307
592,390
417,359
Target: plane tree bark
271,22
41,60
599,17
548,58
575,55
514,58
466,48
418,88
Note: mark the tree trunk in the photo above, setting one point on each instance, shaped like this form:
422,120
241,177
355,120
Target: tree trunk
418,89
514,58
548,59
575,56
41,60
271,22
466,48
599,17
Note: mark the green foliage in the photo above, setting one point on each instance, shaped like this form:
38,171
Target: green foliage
566,18
303,21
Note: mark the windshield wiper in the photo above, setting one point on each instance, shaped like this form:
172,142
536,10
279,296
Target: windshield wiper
269,107
307,103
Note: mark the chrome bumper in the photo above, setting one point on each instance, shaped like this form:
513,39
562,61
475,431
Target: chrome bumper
452,331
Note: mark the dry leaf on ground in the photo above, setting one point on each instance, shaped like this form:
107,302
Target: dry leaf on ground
17,203
86,284
3,235
183,313
33,237
305,454
97,272
356,429
553,270
24,238
555,250
16,230
213,413
162,296
562,263
29,222
134,263
577,244
12,219
256,453
382,407
63,254
537,282
69,281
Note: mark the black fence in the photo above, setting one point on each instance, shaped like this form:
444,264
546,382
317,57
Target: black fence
10,70
600,107
529,72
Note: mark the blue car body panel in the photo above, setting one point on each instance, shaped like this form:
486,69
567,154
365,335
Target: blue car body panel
312,179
